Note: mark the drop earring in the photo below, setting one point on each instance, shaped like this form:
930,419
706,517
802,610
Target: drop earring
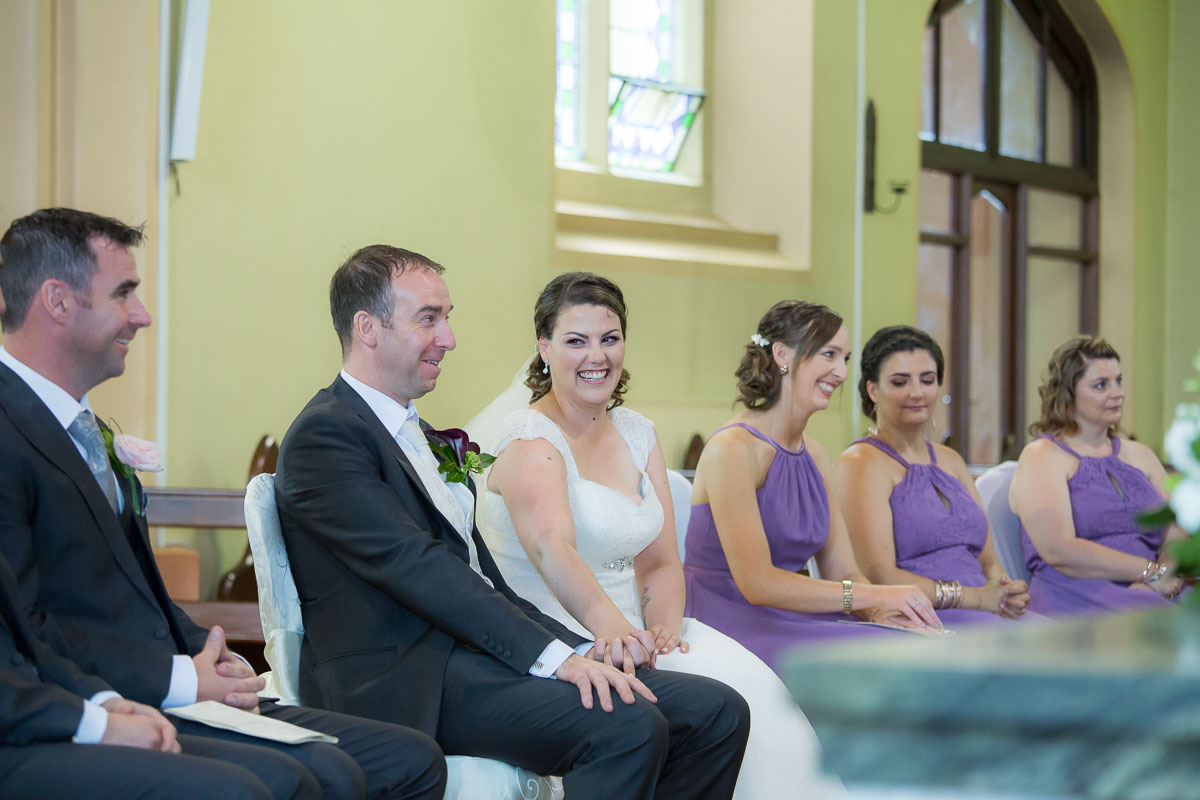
545,368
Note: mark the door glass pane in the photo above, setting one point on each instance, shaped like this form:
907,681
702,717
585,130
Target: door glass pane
962,75
935,192
1020,58
1055,219
927,109
933,317
1051,317
989,233
1060,119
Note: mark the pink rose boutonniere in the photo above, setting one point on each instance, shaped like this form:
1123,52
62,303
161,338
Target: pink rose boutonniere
457,455
129,454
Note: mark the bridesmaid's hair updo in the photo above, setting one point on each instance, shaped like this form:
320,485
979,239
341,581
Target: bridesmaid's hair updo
568,290
804,327
885,342
1063,373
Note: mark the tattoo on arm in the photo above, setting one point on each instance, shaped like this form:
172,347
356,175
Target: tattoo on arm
645,598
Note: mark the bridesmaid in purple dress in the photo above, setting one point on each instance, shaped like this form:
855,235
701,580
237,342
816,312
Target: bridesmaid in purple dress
760,507
910,506
1078,488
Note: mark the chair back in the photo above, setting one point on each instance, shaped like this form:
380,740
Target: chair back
1006,528
681,498
278,602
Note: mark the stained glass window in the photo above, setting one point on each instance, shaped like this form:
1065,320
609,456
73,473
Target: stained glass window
651,102
567,128
648,125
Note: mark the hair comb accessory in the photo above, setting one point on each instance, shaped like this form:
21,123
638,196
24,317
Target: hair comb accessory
761,341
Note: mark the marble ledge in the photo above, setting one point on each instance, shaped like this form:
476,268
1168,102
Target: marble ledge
1100,707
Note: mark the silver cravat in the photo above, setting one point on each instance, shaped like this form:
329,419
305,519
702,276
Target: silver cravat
86,431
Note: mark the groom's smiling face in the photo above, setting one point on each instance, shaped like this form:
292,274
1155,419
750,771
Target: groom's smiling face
409,352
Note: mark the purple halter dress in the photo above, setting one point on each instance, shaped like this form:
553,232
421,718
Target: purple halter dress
1104,514
795,515
935,538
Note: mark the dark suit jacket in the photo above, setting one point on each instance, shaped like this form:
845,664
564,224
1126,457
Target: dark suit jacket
86,576
385,585
41,693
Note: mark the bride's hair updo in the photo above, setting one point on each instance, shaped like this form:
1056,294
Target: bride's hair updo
568,290
885,342
802,326
1063,373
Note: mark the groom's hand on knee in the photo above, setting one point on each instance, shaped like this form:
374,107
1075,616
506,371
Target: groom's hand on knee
591,676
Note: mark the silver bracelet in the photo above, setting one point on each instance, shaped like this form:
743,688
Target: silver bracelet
847,597
1160,570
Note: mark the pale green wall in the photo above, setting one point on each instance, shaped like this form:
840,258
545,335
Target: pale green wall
1142,28
325,127
1182,300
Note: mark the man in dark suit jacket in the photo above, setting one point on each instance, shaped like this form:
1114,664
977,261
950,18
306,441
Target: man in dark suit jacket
71,525
406,616
51,715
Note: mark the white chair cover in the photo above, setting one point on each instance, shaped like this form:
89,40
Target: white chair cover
1006,528
278,603
681,498
283,631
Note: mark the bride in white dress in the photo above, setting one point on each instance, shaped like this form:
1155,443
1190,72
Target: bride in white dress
577,514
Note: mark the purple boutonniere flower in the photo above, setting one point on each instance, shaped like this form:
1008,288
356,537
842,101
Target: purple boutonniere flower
457,454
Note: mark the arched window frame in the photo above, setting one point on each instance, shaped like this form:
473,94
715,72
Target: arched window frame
1061,45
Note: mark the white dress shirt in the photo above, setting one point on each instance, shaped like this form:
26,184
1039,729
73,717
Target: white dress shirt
454,500
181,691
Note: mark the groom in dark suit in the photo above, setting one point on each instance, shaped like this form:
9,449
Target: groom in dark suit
72,524
406,616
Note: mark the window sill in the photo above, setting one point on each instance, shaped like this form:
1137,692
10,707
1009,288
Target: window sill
614,236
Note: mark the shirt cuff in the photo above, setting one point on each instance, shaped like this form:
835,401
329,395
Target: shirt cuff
184,683
551,659
92,724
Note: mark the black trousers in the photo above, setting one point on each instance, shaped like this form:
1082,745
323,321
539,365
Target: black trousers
207,768
372,760
690,744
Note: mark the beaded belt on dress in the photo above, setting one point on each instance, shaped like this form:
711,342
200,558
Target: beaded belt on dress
619,564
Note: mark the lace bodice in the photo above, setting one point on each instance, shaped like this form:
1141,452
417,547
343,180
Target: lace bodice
610,527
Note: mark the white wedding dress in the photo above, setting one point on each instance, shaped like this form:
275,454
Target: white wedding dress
782,757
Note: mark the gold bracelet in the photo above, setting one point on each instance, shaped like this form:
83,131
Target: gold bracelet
847,597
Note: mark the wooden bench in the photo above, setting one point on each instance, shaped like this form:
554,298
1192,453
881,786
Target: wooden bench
212,509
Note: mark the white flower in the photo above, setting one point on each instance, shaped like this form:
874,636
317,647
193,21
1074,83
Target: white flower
1184,431
761,341
1185,502
137,453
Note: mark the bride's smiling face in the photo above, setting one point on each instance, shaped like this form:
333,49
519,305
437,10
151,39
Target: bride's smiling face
585,352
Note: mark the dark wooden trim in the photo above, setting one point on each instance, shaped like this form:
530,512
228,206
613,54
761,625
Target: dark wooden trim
943,239
1043,92
1089,273
960,316
1064,253
937,76
196,508
993,15
948,158
1018,340
241,621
